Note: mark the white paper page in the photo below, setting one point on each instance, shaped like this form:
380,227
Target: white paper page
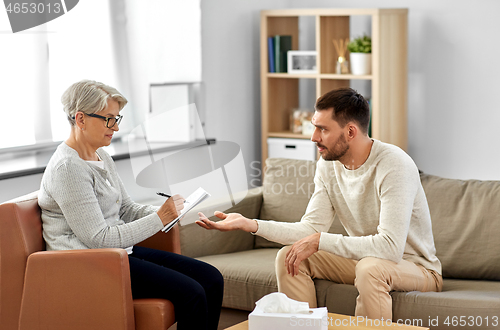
191,201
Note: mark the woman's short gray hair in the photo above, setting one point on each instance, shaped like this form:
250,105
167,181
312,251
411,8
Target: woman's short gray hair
89,97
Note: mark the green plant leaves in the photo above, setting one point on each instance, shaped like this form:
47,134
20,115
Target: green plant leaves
360,45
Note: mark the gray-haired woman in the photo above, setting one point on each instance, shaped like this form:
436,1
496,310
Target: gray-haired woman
85,206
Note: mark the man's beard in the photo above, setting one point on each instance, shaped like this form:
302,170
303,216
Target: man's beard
338,150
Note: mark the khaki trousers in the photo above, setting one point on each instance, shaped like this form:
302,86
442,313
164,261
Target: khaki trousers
373,277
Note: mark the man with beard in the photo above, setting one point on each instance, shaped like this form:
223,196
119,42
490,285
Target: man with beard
374,189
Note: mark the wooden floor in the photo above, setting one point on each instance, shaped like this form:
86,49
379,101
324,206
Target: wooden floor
228,317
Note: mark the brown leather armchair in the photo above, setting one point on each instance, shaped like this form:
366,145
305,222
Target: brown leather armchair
74,289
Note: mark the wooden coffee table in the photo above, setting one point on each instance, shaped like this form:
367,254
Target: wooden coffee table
338,321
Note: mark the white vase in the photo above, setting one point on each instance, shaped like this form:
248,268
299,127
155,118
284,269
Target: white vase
361,63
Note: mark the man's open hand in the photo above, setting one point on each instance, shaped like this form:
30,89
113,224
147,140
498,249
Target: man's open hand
231,221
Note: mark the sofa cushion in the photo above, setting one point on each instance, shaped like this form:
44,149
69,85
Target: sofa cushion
477,303
288,185
197,241
248,276
466,226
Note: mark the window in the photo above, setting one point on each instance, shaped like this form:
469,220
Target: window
79,53
127,44
22,72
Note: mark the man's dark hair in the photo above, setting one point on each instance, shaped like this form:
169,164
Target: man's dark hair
348,106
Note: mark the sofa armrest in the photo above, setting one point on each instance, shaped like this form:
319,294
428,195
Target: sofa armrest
197,242
77,289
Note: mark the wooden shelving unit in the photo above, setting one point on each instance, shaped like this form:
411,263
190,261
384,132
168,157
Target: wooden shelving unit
280,91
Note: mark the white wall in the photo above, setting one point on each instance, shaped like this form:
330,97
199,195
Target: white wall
230,32
162,45
453,70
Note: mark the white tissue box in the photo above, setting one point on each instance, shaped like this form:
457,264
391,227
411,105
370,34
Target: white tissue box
317,319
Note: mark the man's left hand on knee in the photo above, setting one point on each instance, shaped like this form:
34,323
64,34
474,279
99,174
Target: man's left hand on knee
301,250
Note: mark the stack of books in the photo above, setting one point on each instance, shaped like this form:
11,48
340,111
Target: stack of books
278,46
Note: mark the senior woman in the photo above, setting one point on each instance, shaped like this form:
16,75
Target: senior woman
85,206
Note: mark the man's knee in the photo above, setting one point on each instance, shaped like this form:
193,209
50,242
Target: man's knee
368,270
281,256
280,260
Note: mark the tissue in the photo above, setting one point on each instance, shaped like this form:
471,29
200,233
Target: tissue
278,302
278,312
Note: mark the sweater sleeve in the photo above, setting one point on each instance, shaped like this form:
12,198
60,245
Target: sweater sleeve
318,217
72,188
397,185
129,210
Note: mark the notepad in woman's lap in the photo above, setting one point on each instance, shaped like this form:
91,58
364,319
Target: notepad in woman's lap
194,199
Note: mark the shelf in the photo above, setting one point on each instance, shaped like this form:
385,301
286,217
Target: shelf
321,76
387,85
293,76
333,12
345,76
288,134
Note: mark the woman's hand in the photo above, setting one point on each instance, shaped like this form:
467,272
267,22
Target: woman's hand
231,221
171,209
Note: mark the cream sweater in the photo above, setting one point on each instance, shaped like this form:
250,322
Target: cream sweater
85,206
382,206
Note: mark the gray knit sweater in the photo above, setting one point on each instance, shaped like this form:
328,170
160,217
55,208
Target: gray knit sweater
382,206
85,206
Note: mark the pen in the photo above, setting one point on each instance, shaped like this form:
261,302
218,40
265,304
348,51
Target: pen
165,195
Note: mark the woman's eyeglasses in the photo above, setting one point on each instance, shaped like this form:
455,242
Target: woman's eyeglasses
110,121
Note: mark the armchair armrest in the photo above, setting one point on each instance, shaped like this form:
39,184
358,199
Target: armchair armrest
169,241
77,289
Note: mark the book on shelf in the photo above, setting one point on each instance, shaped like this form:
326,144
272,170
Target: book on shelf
270,48
192,200
281,45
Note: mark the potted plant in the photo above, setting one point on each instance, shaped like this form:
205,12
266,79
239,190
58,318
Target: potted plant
361,57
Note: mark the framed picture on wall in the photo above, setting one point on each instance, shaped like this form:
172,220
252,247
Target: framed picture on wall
302,61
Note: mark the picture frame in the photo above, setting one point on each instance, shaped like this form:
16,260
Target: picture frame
302,61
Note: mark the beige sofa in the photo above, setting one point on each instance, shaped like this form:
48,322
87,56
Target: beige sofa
466,226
